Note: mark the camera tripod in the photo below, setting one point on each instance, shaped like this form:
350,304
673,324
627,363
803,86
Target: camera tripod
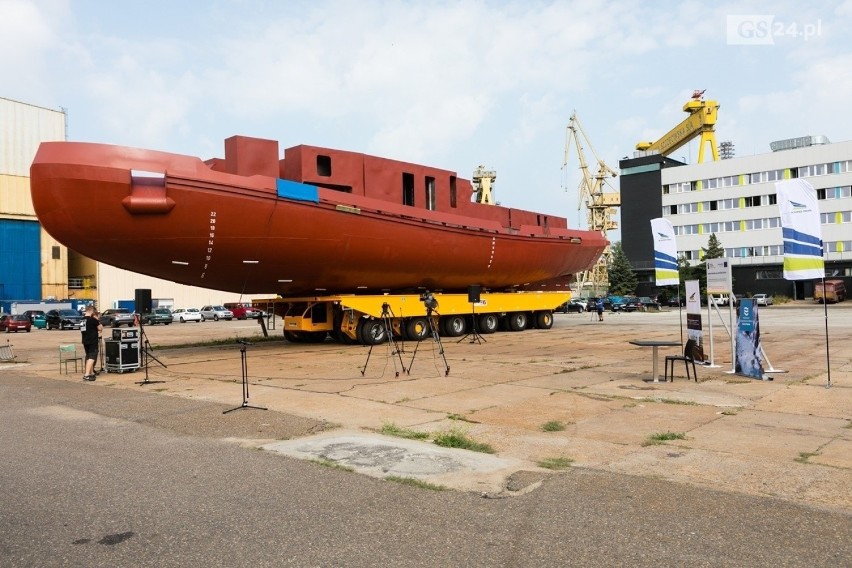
396,350
436,338
244,367
146,356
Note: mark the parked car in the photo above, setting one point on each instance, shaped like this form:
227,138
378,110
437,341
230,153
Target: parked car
243,310
216,313
31,314
117,317
184,315
63,319
721,299
641,304
676,301
15,322
39,321
574,305
159,315
762,299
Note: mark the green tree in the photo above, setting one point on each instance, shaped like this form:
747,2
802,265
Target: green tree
622,279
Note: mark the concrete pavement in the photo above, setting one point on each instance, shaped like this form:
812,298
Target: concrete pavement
789,438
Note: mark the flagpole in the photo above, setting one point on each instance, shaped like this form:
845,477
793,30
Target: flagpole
825,311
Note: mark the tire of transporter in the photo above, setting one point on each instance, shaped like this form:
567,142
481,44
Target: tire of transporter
517,321
292,337
453,326
313,336
488,323
544,320
417,329
372,331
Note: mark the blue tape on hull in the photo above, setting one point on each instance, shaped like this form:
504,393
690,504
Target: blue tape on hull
299,191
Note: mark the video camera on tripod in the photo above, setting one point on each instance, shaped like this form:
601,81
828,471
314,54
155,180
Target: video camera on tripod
429,301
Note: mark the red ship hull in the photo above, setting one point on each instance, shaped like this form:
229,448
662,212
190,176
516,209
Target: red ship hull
178,218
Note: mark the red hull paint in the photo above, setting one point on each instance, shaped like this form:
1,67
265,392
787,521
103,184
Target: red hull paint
200,225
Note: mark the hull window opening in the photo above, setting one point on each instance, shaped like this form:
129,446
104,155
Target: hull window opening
430,193
324,166
408,189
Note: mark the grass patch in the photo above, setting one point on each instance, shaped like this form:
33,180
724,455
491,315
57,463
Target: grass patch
227,341
805,456
391,429
670,401
552,426
458,439
461,418
660,437
415,483
556,463
333,464
728,413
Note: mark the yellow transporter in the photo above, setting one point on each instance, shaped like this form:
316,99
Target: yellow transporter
365,319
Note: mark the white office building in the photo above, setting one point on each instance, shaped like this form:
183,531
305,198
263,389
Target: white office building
736,200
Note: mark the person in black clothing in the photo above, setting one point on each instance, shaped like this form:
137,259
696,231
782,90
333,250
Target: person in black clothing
91,330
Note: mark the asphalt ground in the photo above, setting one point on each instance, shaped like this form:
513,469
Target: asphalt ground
157,474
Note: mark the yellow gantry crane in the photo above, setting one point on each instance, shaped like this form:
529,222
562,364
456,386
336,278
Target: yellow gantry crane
483,182
701,121
601,201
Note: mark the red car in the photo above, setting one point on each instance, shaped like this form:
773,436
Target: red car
15,323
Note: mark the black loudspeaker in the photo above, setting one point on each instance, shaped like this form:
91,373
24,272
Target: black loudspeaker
474,292
143,301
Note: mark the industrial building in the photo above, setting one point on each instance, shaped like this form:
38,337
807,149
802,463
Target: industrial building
33,265
735,200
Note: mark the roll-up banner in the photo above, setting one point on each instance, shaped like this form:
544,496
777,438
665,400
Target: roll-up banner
665,252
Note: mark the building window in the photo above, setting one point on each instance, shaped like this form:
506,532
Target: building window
324,166
408,189
56,253
453,192
767,275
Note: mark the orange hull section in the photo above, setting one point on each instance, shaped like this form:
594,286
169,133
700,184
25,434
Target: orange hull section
177,218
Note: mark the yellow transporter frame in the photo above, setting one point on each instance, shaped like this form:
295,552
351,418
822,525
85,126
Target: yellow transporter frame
364,318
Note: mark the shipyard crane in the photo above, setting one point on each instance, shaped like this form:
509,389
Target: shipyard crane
700,122
483,181
601,200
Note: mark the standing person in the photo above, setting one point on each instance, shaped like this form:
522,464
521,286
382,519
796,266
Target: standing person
599,307
91,331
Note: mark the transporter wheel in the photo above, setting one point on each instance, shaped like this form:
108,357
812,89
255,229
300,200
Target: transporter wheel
417,329
453,326
517,321
488,323
372,331
292,337
544,320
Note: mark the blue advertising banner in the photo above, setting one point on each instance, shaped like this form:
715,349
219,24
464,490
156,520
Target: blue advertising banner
749,356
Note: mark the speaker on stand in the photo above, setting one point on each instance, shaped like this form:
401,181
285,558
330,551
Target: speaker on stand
474,296
143,301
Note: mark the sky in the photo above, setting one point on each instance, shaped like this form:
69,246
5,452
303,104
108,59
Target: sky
449,84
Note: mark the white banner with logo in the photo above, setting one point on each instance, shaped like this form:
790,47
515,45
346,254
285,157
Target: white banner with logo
800,225
665,252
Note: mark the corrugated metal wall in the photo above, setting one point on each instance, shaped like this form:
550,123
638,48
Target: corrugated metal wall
22,128
20,273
